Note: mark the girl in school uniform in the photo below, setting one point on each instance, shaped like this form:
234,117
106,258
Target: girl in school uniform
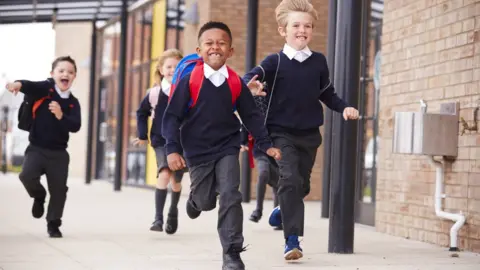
154,105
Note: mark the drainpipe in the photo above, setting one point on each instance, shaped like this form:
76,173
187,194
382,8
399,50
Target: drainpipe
459,219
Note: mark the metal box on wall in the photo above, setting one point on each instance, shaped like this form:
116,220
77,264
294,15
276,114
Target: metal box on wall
433,134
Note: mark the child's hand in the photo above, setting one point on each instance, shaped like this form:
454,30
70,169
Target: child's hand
55,108
175,162
275,153
350,113
138,141
256,87
14,87
243,148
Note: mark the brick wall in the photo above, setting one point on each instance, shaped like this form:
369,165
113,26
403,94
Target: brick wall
234,14
431,50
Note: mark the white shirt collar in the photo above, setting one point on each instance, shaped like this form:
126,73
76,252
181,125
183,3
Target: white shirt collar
217,77
209,71
165,86
292,53
62,94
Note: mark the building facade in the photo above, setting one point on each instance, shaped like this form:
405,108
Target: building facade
152,27
431,51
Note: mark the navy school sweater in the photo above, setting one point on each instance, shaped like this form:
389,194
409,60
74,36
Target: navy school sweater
210,130
143,112
299,88
47,131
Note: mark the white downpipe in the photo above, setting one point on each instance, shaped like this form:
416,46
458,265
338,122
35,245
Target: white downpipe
439,195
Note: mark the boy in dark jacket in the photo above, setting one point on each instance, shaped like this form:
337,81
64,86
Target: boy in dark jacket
210,137
56,113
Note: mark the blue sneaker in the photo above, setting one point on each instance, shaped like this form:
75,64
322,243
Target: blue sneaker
275,219
293,251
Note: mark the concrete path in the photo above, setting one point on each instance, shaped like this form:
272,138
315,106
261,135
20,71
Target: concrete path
104,230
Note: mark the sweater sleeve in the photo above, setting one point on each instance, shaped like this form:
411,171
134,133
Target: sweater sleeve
174,115
73,120
252,119
265,71
36,90
143,112
327,91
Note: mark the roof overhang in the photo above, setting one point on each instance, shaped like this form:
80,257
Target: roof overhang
27,11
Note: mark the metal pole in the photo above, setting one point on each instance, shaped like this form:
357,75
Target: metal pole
327,136
121,97
250,59
4,131
347,70
177,26
91,103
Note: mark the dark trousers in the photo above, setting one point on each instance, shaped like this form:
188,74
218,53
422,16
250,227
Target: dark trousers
298,157
267,174
220,177
54,164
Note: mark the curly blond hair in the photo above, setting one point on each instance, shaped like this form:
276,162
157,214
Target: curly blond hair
170,53
287,6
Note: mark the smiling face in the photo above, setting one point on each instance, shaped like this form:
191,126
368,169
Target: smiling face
168,68
298,31
215,47
64,73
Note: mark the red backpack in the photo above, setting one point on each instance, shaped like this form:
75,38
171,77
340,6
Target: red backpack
194,64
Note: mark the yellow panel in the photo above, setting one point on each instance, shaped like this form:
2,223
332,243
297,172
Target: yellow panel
158,45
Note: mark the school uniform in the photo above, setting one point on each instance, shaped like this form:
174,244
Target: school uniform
293,122
46,153
267,169
154,105
210,137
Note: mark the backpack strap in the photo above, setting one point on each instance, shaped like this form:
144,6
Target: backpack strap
195,83
37,104
196,80
234,84
183,69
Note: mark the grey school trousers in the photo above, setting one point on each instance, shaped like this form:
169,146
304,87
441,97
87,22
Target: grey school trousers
220,177
54,164
298,157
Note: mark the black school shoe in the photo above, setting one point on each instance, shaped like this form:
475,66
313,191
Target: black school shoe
172,223
38,208
256,215
232,260
157,226
53,229
192,212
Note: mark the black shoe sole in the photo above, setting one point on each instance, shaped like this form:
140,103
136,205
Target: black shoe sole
156,228
172,225
254,219
230,266
192,212
55,235
38,209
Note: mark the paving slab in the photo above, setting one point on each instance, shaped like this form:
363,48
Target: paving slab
106,230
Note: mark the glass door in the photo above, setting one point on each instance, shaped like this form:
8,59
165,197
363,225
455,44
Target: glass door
368,139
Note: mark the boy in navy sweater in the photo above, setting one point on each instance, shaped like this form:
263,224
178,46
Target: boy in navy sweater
295,113
210,137
56,113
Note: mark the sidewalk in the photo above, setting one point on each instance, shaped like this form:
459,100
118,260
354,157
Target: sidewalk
107,230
